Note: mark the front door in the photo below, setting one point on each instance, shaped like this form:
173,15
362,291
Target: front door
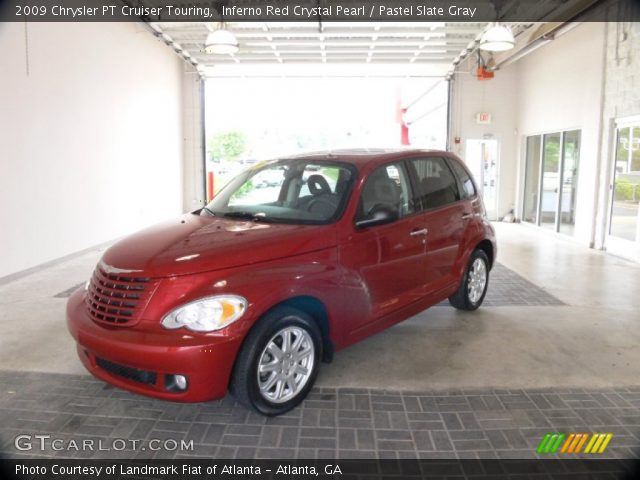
389,259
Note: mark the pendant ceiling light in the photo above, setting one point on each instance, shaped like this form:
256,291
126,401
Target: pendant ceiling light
497,38
221,41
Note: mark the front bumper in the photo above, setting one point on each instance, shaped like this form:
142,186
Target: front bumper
139,361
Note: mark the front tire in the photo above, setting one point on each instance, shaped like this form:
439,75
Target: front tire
475,281
278,362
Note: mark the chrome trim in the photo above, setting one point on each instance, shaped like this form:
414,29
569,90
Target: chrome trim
115,270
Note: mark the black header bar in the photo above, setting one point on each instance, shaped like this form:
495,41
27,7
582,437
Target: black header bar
319,10
198,469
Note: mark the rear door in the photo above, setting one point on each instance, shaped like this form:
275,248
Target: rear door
438,199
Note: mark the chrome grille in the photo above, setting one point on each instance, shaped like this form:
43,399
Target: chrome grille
117,299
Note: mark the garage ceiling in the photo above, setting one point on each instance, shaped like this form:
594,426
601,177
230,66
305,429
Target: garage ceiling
409,47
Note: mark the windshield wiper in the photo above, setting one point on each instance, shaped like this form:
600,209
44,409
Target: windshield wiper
256,217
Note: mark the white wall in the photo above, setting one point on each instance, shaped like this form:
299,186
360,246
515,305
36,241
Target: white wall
622,99
557,87
560,88
90,137
498,97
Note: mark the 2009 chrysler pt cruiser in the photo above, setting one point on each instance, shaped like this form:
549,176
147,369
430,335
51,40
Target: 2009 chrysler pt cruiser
294,259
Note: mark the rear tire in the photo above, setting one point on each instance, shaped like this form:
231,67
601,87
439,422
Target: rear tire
475,281
278,362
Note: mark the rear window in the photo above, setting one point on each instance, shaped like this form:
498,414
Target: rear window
468,188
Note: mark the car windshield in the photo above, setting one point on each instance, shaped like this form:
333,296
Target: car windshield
286,191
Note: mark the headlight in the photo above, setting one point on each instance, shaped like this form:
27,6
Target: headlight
207,314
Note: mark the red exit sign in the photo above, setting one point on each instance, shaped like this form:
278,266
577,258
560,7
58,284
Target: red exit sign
483,118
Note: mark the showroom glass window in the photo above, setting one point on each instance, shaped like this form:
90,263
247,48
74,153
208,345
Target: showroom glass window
625,206
435,183
387,186
551,180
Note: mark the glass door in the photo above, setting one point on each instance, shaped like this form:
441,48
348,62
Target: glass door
481,156
532,180
624,218
569,181
551,180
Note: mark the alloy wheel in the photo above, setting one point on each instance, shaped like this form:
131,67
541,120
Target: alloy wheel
286,364
477,280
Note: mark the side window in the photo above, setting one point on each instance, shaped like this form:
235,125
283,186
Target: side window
435,183
468,189
385,187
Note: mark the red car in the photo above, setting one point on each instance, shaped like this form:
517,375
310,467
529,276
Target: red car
293,260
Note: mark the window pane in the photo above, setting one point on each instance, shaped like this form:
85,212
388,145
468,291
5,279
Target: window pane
288,191
569,181
263,188
386,187
635,150
550,180
626,196
532,180
436,184
468,189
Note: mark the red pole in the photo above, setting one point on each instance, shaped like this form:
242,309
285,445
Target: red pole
210,191
404,129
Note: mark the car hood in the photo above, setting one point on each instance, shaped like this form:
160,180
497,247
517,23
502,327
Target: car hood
193,243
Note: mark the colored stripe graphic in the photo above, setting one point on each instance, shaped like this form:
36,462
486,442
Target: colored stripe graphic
582,441
606,441
567,443
550,443
572,443
543,443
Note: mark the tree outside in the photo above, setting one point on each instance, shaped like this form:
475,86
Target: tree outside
227,146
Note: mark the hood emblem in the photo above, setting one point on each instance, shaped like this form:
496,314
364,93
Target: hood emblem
114,270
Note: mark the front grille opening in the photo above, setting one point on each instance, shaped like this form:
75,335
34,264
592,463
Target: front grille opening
129,373
116,299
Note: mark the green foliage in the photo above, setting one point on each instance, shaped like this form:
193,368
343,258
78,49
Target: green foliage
244,189
227,145
625,191
551,155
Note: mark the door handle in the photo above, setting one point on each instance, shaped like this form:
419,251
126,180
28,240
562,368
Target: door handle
422,231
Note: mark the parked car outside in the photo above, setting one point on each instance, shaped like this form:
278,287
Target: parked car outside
252,292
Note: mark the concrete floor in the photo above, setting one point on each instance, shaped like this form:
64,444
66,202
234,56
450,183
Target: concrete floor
591,341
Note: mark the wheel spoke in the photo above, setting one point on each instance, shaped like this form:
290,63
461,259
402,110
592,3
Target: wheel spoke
268,367
286,341
296,345
279,388
301,370
275,350
305,352
270,382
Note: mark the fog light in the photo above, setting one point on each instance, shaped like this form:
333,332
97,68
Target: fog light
175,383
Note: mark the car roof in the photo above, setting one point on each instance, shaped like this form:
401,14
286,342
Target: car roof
365,156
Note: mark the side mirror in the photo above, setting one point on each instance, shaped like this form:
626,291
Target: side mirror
379,215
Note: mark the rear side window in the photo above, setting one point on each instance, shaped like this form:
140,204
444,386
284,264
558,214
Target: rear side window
436,186
468,189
